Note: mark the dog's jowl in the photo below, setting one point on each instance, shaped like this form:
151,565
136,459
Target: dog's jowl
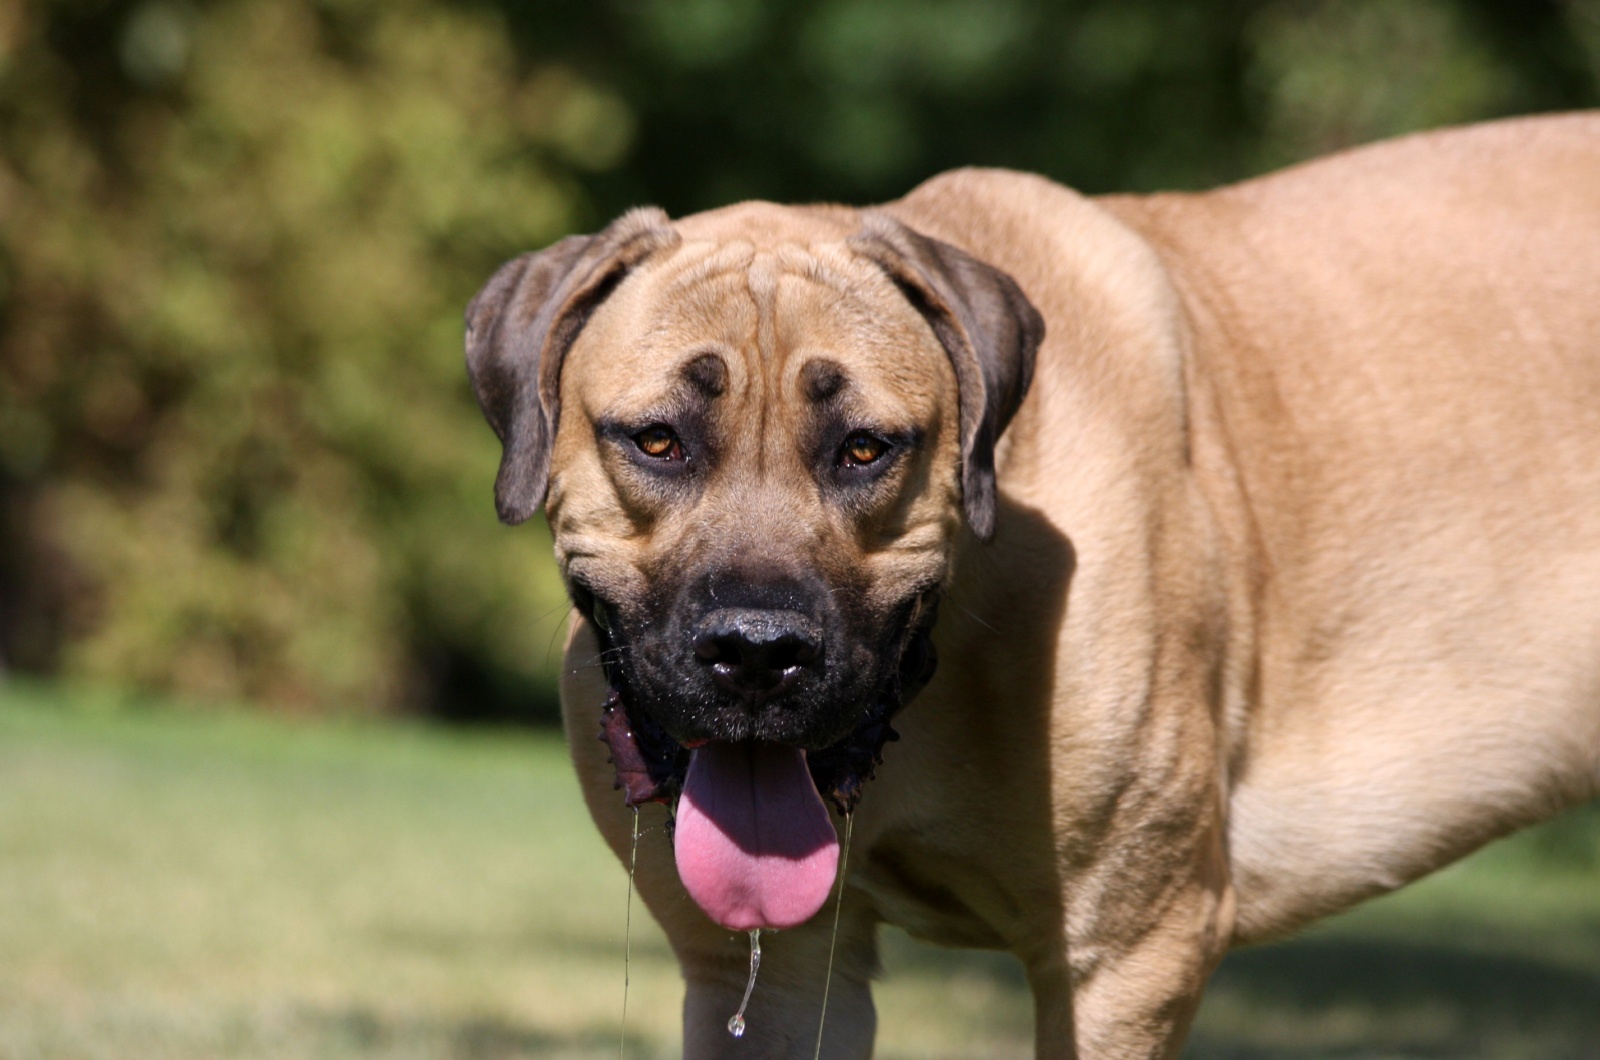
1143,576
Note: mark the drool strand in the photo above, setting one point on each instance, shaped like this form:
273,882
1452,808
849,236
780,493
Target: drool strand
736,1023
627,936
838,905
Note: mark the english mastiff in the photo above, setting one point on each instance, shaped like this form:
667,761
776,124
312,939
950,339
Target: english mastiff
1255,533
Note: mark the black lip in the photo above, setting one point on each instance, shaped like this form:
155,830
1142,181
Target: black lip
651,765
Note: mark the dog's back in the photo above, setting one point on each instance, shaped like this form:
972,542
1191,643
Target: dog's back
1402,350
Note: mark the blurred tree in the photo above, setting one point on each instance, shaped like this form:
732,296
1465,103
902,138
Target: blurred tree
238,455
1331,73
858,100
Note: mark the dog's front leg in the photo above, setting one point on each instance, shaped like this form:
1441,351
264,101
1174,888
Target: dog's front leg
1133,1004
786,1010
1129,979
1141,1002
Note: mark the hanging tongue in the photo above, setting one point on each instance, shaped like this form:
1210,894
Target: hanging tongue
754,844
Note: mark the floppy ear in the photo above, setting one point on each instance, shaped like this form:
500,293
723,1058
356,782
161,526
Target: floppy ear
987,326
519,328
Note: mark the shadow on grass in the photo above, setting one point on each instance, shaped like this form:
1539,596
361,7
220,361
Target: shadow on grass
1333,997
904,956
519,940
364,1033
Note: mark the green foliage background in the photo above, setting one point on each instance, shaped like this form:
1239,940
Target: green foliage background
238,455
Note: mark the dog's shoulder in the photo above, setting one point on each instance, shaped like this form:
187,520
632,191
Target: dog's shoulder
1070,253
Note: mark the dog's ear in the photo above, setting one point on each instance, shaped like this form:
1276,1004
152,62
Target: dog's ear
519,328
987,326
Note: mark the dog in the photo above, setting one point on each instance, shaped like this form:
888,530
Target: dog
1136,577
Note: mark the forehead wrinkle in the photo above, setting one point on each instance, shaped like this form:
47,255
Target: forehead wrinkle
700,305
761,279
825,281
826,264
767,276
699,262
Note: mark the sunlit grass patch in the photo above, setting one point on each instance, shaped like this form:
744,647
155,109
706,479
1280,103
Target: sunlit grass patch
186,886
240,886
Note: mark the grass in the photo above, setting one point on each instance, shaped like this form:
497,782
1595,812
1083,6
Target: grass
179,885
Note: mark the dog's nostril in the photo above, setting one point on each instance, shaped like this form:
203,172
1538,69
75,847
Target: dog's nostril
800,653
737,651
711,648
756,651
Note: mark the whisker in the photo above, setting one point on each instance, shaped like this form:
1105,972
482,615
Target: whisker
609,655
554,633
564,605
970,613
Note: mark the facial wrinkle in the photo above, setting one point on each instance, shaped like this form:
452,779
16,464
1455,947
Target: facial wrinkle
698,263
762,281
821,263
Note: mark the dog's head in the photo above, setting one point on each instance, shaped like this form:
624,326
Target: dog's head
757,434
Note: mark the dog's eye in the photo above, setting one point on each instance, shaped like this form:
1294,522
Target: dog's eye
660,442
861,449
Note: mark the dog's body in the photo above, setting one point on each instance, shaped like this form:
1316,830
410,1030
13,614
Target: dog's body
1294,587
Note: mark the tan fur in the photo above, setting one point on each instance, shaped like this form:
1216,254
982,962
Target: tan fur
1295,589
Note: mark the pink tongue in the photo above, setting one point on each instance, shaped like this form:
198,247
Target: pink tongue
754,844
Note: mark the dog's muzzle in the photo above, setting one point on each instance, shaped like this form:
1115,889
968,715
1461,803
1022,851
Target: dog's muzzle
756,656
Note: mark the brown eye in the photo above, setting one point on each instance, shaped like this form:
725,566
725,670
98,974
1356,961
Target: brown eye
861,448
659,442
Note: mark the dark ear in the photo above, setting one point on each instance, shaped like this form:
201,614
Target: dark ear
519,328
987,326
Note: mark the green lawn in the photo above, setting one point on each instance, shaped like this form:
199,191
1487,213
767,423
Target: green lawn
178,885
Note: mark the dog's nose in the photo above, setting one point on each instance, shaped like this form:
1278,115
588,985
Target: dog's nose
756,652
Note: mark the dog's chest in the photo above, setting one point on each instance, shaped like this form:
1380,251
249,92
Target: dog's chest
934,895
